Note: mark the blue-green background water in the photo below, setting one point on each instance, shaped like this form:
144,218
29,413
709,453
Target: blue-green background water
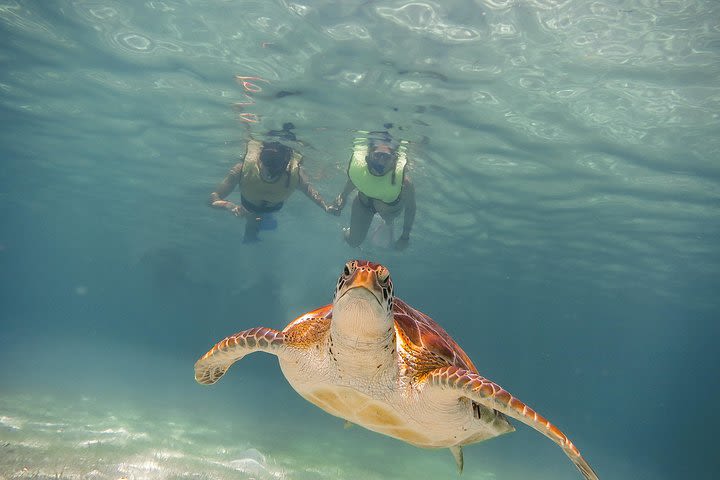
565,156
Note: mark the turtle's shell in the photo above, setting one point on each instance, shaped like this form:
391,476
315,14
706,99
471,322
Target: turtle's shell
427,345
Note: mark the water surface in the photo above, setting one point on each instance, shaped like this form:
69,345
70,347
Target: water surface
565,160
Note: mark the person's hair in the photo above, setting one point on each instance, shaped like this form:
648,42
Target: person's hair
382,137
285,133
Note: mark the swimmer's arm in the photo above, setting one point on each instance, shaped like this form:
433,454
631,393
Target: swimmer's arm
340,200
217,198
305,187
409,199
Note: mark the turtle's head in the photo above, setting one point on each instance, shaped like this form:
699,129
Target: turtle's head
363,300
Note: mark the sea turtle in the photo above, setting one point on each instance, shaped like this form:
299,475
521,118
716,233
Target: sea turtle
375,361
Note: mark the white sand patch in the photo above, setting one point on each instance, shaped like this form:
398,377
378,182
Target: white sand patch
11,422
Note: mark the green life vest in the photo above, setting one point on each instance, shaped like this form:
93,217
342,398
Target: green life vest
385,187
259,191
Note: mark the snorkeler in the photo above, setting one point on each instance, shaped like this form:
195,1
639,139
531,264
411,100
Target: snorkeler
267,176
377,171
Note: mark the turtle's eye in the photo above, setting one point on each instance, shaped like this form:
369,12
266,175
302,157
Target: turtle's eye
383,275
346,270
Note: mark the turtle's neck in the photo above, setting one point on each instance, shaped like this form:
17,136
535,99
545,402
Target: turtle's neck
362,335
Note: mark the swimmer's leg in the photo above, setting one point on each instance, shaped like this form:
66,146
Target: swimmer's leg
252,227
360,218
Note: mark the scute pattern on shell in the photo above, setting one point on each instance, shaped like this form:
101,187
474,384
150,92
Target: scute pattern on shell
430,344
307,330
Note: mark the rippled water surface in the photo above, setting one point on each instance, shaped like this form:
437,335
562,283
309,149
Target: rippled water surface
565,158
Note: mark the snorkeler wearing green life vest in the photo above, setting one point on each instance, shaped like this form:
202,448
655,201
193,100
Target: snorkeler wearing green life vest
377,171
268,174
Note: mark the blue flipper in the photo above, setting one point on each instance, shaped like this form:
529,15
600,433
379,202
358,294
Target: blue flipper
268,222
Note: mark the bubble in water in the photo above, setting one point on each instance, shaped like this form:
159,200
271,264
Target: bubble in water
135,42
103,13
409,86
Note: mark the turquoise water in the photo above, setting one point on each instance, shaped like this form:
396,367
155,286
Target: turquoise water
565,157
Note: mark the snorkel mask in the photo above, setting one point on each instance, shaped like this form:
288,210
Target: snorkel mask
275,157
380,159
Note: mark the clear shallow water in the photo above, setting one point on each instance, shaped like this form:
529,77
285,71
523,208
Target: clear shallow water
565,158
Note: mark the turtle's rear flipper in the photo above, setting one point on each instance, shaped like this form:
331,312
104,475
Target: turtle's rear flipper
215,363
458,455
464,383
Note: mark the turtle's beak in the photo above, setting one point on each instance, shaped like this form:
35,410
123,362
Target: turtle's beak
364,279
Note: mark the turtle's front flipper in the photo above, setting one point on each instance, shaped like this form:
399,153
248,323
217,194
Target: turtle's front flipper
483,391
215,363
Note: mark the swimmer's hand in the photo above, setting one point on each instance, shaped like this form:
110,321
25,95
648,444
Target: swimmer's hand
236,210
402,242
333,210
239,211
336,207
